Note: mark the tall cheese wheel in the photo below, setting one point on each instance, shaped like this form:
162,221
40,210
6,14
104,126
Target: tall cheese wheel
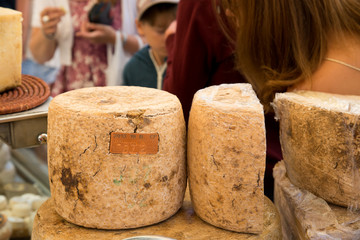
305,216
320,140
10,48
184,225
116,156
226,157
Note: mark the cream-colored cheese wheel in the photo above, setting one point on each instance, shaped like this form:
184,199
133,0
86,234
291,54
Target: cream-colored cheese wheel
36,203
226,157
21,210
34,200
116,156
10,48
305,216
184,225
320,139
17,200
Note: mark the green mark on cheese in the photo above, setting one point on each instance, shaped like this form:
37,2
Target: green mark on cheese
118,182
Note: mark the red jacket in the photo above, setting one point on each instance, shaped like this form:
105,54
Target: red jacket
199,53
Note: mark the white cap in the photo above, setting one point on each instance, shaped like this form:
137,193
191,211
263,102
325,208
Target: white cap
143,5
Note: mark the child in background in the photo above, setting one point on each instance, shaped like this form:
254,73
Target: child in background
147,67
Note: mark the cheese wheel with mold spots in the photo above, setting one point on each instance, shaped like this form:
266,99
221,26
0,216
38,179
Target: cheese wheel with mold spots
116,156
320,141
184,225
226,157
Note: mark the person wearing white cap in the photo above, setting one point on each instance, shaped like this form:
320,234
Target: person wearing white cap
147,67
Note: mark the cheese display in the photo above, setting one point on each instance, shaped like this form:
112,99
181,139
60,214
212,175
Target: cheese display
184,225
305,216
320,140
116,156
10,48
226,157
19,212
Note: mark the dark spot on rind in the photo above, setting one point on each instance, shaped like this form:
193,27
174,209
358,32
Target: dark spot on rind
71,183
164,179
237,187
68,180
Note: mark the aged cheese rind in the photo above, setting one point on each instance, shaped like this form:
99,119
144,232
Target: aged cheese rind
305,216
226,157
94,188
10,48
320,140
184,225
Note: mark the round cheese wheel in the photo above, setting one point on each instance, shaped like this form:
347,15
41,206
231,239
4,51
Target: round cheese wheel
226,157
320,139
184,225
116,156
21,210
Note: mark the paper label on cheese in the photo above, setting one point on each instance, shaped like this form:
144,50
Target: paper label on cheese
134,143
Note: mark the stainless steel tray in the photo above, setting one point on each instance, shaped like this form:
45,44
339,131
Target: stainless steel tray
22,129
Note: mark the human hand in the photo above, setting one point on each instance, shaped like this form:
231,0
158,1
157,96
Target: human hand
97,33
50,17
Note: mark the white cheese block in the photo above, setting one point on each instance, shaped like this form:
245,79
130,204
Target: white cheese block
21,210
226,157
116,156
20,214
320,140
184,225
10,48
305,216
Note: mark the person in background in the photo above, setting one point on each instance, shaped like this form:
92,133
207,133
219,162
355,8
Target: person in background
86,48
147,67
321,52
286,45
201,55
46,71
